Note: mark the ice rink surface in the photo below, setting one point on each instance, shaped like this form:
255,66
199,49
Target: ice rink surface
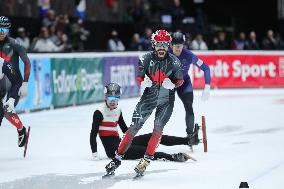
245,131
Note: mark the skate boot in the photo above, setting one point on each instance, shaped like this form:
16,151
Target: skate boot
141,167
193,137
112,166
22,137
181,157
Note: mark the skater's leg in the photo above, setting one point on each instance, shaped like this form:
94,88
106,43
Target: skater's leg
142,112
173,140
110,144
135,152
12,117
163,113
163,155
187,100
142,140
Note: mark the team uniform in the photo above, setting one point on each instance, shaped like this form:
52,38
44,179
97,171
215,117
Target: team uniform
161,73
12,83
105,124
185,91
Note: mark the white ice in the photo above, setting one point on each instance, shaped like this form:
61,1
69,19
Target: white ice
245,143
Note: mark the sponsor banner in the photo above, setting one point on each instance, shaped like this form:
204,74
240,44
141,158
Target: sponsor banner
242,71
76,81
39,91
122,70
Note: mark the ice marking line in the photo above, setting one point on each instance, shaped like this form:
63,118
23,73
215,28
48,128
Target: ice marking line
266,172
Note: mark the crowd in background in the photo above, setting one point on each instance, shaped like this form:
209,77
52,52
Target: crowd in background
59,33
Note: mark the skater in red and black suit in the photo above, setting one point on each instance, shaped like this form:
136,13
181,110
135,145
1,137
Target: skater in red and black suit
105,124
11,81
160,72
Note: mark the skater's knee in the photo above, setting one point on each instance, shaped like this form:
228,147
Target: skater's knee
157,132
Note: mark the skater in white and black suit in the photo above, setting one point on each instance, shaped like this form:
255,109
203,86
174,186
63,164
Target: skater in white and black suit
160,73
106,120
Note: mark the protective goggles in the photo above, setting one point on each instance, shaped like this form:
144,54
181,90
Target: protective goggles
4,30
162,44
112,98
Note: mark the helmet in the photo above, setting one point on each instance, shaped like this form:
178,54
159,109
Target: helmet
160,36
112,89
178,38
5,22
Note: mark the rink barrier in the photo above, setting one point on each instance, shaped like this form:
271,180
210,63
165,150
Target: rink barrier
70,79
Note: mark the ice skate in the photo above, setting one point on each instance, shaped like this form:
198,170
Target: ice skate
22,137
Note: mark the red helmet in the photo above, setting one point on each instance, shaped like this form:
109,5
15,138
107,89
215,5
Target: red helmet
161,36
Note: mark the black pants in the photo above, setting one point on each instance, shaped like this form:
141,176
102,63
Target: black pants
187,100
139,145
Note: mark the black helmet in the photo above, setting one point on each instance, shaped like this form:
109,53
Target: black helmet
178,38
112,89
5,22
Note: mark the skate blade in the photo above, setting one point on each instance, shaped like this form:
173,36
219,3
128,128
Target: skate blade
108,175
27,142
138,176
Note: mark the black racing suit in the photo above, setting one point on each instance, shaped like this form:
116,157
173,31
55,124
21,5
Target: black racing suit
153,97
10,51
139,144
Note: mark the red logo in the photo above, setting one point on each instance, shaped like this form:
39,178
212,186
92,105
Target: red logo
159,77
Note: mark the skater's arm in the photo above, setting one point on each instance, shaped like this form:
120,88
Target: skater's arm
97,119
141,69
24,57
201,65
178,76
122,123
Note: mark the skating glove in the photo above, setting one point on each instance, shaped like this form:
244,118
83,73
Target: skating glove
95,156
9,105
23,92
1,66
167,84
206,92
147,82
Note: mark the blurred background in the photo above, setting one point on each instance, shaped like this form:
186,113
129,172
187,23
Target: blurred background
88,25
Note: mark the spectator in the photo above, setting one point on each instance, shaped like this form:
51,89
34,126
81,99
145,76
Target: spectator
79,36
114,43
280,43
252,42
146,39
52,35
240,43
269,43
135,44
50,19
63,24
44,44
220,43
22,38
198,43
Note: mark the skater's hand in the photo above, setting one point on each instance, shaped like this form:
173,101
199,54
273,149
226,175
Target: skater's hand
167,84
23,92
147,82
9,105
95,156
206,92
